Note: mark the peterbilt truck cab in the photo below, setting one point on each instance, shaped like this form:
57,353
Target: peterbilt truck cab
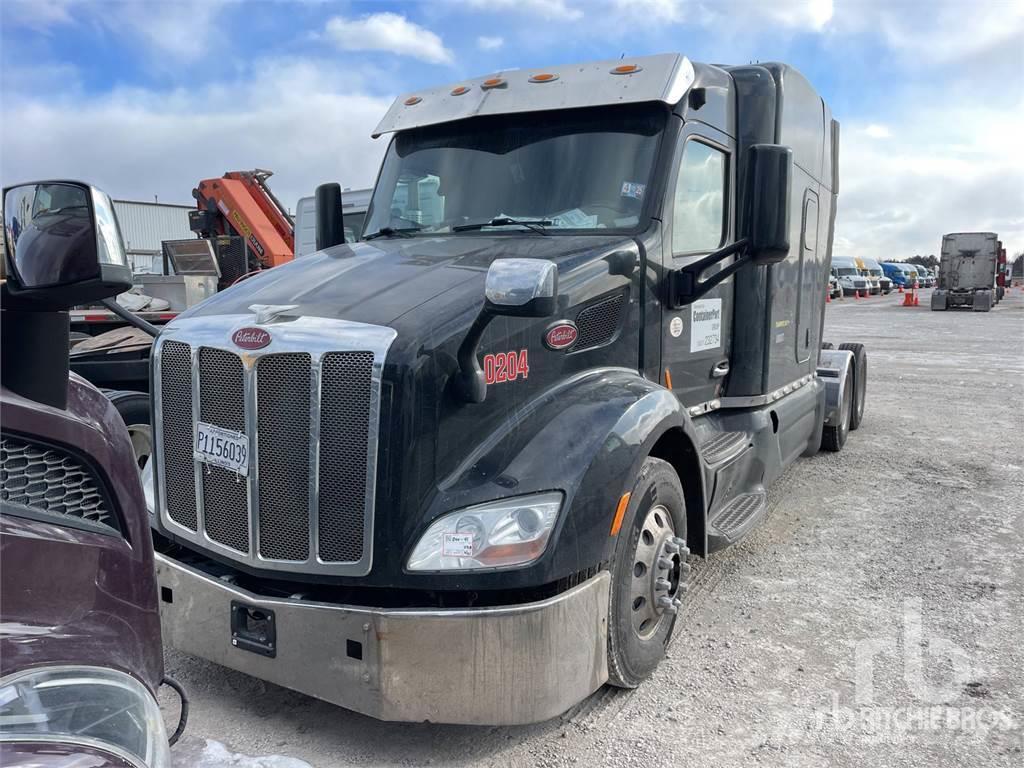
456,471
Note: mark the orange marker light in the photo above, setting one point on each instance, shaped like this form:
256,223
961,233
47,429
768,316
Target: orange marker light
493,82
625,69
620,512
668,379
544,77
413,100
460,90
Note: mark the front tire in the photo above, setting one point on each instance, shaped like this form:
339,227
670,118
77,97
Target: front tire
649,575
133,408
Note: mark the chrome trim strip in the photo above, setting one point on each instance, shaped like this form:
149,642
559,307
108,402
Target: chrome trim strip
755,400
315,336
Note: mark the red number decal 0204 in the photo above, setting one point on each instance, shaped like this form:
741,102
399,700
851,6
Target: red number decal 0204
506,366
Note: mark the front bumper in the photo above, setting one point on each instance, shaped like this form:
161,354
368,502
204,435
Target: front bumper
485,666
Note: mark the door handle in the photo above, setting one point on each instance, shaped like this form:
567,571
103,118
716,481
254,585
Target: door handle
720,369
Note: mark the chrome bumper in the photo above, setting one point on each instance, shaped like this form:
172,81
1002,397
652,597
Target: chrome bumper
485,666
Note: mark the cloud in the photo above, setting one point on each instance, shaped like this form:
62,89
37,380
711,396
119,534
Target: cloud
389,32
876,131
145,142
485,43
544,9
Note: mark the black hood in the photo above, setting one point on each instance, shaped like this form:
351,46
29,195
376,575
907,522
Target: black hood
378,282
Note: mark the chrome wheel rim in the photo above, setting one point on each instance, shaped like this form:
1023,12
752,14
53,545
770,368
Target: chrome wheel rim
142,443
658,573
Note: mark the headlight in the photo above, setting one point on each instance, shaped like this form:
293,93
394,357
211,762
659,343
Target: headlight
87,705
499,534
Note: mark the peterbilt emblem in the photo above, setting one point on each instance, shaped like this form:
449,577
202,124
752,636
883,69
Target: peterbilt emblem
561,335
250,338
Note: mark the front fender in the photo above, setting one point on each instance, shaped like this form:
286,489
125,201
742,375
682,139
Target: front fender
586,437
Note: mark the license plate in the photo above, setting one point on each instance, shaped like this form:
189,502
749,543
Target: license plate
223,448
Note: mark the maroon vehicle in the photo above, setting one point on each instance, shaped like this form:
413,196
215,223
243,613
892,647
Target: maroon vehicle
80,650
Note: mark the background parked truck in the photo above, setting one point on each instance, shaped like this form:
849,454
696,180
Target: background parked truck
968,268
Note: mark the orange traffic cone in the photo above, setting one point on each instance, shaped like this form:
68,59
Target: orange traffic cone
901,288
908,299
828,297
856,294
917,300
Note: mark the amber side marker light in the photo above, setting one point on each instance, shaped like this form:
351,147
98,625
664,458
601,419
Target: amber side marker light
413,100
625,69
493,82
620,512
544,77
460,90
668,379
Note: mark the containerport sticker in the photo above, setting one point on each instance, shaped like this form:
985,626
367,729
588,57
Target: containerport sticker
705,324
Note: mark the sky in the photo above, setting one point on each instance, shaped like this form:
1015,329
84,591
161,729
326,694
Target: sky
145,98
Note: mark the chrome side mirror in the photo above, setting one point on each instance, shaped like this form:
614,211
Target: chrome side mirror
521,287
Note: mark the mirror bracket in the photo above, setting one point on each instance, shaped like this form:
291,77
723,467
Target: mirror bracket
685,285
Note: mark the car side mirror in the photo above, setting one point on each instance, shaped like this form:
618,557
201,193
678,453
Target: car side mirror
771,170
516,288
62,245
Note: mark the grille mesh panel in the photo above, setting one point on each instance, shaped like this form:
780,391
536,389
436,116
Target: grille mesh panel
222,402
345,393
176,406
598,323
50,480
282,391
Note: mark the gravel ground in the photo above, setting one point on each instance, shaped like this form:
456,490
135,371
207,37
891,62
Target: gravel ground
872,618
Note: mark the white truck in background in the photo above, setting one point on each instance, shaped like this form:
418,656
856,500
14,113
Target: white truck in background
968,269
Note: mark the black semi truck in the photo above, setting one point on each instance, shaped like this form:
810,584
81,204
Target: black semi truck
455,471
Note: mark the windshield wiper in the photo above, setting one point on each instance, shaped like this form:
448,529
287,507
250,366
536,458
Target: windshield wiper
535,225
392,232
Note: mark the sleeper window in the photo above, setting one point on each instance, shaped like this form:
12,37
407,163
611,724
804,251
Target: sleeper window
698,222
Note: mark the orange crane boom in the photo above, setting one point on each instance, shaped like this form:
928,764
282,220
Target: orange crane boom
248,208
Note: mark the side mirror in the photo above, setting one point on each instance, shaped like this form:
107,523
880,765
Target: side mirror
62,245
771,169
330,221
514,287
521,287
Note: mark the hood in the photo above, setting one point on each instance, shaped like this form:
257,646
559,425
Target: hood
380,281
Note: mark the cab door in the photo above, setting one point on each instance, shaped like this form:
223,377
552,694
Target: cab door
698,218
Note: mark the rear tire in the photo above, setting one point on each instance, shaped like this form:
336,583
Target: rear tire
834,438
860,381
649,575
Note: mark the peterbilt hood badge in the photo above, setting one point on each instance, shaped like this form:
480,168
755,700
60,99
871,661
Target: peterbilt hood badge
561,335
250,338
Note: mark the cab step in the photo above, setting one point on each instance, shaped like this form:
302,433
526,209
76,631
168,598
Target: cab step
723,447
737,517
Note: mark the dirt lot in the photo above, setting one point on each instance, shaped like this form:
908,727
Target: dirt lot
873,619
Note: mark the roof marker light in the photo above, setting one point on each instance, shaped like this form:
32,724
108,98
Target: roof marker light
493,82
459,90
544,77
413,100
626,69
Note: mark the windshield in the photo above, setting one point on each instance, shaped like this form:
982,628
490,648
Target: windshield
575,170
846,271
875,272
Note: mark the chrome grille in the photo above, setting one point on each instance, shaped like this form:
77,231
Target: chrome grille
309,403
282,394
52,481
344,414
179,468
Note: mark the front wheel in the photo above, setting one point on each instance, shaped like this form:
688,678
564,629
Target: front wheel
133,408
649,575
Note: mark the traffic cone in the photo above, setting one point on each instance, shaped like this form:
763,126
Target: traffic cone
901,288
908,299
856,294
917,300
828,297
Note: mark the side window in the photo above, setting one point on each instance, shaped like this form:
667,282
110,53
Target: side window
698,219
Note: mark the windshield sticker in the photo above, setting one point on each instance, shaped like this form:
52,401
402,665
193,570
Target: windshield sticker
676,327
705,324
633,189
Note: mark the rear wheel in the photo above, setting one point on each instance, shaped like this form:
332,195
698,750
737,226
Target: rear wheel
833,438
860,381
649,575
